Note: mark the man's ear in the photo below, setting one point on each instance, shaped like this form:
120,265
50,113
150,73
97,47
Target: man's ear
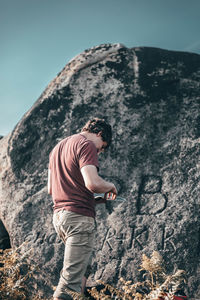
99,133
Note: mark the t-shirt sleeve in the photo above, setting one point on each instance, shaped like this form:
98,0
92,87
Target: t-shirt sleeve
88,155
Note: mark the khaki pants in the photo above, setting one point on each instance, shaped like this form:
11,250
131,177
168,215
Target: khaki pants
77,232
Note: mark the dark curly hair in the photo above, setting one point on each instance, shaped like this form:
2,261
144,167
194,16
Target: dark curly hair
97,125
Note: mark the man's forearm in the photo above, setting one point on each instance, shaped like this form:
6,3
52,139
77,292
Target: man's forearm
102,186
95,183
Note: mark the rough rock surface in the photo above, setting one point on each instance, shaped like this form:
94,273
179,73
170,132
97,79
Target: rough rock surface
151,98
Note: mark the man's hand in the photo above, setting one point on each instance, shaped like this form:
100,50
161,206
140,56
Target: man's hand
111,195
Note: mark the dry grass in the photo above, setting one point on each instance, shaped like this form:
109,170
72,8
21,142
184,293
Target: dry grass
157,284
18,280
17,274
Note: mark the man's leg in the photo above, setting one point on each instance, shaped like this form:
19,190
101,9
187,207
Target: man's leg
83,285
86,275
79,236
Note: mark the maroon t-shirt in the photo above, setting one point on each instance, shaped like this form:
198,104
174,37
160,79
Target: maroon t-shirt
68,187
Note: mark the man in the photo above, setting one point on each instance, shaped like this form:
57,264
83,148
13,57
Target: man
72,181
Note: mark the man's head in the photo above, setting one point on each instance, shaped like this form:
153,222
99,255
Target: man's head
100,127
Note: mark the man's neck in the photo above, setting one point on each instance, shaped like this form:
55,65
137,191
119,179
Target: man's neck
90,136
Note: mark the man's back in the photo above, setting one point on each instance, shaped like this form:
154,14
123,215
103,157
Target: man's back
68,187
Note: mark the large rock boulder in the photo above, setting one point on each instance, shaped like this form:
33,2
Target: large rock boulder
151,98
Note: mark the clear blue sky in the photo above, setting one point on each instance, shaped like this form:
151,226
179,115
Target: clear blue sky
38,37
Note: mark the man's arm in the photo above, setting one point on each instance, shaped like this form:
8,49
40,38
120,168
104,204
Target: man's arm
49,182
95,183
